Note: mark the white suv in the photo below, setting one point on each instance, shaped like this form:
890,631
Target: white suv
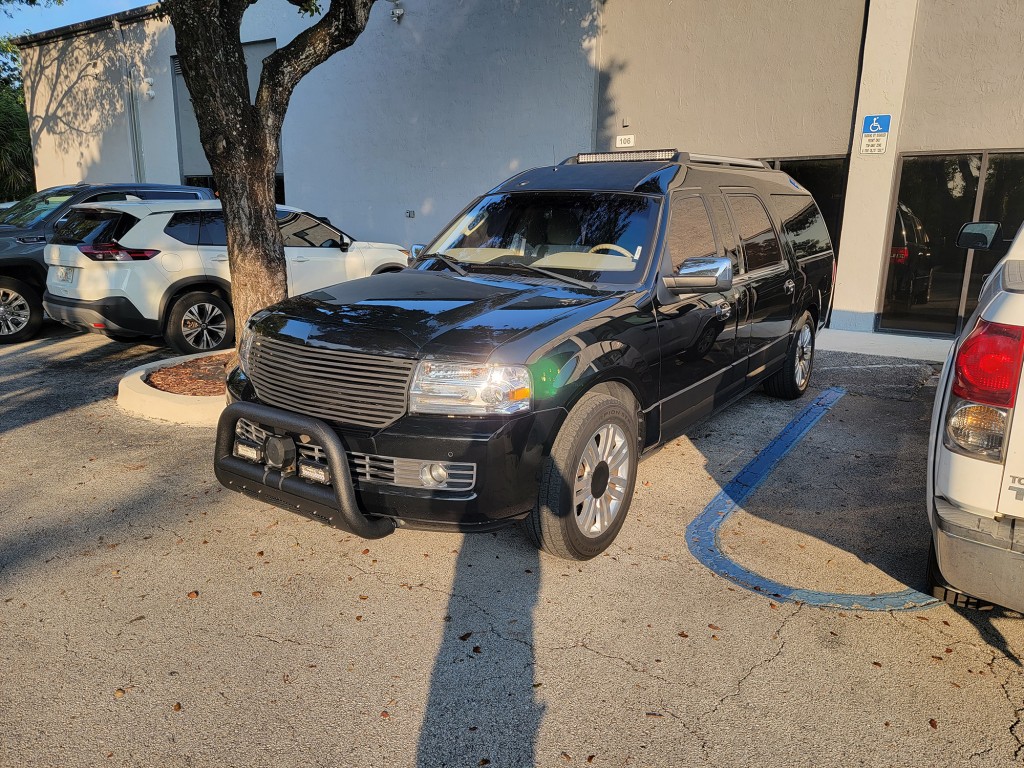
161,268
976,451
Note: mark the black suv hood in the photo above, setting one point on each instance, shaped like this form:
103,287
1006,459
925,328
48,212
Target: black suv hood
415,313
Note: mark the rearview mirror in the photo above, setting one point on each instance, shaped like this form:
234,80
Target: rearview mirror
979,235
701,275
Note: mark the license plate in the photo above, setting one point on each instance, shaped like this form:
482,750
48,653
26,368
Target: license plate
65,274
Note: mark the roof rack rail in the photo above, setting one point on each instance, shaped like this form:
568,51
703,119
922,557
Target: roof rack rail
739,162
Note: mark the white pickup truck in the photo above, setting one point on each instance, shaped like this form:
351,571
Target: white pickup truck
160,267
976,453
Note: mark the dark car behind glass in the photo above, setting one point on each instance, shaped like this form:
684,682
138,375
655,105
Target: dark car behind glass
566,323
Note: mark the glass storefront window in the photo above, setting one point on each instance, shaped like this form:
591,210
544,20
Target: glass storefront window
1002,200
926,268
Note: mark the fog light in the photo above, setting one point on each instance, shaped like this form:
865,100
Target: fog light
280,452
433,475
977,428
248,451
315,472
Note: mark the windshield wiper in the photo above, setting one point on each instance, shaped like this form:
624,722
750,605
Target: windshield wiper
540,271
452,265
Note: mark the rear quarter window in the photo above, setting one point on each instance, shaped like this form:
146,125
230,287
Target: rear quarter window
184,227
91,227
802,224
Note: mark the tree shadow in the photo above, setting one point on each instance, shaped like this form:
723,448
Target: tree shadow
482,704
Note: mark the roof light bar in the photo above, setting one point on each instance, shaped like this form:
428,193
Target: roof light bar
624,157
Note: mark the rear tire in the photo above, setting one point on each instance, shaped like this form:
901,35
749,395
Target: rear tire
21,311
200,322
792,381
587,481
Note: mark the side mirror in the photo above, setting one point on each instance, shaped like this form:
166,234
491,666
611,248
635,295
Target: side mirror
701,275
979,235
416,251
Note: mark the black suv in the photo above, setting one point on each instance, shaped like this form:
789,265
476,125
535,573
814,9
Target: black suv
569,321
28,225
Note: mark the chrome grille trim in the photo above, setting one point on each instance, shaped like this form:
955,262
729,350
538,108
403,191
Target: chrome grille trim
372,468
340,387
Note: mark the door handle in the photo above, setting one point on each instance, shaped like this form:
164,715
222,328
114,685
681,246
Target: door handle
220,257
300,258
723,311
790,286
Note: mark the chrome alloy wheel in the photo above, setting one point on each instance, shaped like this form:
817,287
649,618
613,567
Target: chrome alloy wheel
804,356
204,326
14,312
602,478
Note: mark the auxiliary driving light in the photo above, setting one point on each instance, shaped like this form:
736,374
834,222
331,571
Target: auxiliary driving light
433,475
248,451
315,472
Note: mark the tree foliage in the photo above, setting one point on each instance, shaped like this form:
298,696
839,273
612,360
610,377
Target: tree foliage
17,176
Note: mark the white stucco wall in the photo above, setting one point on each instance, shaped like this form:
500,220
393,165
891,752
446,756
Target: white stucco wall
768,79
966,77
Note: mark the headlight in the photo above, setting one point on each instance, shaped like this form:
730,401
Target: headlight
245,347
470,388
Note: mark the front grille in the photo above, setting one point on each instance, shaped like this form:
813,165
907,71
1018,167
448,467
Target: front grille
371,468
340,387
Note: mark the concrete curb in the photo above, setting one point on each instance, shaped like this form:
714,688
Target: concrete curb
136,397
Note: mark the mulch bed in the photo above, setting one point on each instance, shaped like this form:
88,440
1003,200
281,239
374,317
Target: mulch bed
202,377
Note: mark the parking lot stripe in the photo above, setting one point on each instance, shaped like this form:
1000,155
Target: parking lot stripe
702,535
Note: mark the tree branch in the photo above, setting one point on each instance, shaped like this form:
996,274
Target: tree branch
285,67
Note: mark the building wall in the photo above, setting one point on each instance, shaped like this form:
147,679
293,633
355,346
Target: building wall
768,79
966,77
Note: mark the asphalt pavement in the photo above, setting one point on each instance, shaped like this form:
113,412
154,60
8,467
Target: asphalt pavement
150,618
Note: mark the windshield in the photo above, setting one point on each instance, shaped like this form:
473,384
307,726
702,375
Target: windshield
597,237
34,208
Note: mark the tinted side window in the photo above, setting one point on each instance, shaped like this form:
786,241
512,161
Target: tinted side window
105,197
725,231
760,243
91,227
689,231
803,224
300,231
213,231
184,227
163,194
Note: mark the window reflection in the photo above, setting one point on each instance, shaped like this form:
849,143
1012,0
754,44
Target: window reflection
926,268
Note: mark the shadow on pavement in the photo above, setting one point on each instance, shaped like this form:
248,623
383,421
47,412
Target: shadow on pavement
62,370
482,706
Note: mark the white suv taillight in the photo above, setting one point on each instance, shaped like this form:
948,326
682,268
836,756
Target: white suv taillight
986,373
116,252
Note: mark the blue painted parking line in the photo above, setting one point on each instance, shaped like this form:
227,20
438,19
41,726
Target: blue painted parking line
702,533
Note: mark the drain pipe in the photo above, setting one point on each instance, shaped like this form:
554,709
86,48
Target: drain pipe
129,73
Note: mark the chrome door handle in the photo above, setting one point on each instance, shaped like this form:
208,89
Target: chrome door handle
723,311
790,286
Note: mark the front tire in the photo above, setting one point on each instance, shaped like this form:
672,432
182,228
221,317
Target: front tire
21,311
200,322
587,481
792,381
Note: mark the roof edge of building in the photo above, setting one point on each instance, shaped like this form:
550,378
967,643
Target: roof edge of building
84,27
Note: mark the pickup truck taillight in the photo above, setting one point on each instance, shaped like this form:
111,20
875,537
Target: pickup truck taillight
986,373
116,252
899,255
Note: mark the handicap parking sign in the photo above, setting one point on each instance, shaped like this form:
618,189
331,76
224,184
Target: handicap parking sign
875,136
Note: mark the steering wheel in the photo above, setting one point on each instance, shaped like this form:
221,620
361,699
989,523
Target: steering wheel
611,247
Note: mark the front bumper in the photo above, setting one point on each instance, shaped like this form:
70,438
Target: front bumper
980,556
116,314
507,455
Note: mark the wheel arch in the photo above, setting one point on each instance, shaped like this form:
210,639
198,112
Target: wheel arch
215,285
